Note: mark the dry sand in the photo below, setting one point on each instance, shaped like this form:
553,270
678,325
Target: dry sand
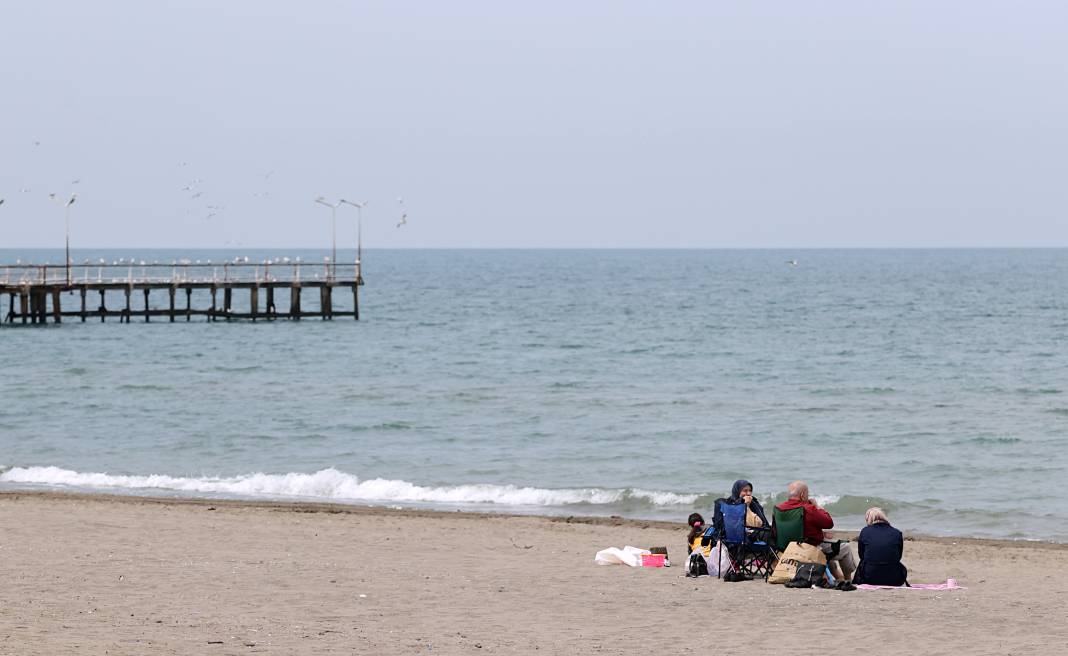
121,575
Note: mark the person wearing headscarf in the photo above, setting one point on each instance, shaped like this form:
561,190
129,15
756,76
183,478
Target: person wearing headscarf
880,546
741,493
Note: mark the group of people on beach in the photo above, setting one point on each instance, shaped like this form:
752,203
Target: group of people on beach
880,545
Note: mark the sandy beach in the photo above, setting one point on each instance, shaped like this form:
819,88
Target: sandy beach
124,575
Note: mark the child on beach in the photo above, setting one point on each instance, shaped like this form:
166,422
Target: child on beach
697,529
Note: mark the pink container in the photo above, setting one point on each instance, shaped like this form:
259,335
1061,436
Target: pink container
652,560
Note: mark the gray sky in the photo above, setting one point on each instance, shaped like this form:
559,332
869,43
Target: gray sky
615,124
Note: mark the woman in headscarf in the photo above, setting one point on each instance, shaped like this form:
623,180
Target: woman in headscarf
742,493
880,546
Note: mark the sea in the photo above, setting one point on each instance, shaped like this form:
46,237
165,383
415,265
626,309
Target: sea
637,383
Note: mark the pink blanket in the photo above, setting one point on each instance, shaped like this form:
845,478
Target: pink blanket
950,584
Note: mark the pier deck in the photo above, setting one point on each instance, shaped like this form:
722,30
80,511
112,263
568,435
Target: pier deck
176,292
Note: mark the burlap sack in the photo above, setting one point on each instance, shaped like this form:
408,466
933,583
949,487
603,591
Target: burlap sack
796,552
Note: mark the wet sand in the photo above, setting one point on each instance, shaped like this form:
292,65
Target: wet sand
126,575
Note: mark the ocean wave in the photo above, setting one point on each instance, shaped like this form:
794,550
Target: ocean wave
848,504
334,485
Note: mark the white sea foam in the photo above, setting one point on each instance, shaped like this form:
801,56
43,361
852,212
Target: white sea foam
331,484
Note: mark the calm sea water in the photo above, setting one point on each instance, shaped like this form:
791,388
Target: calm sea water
638,383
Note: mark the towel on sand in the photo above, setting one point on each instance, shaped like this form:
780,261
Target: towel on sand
950,584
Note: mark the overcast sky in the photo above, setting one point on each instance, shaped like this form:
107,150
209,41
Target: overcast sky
539,124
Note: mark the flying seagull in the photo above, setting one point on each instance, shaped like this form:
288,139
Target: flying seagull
404,215
792,263
1,201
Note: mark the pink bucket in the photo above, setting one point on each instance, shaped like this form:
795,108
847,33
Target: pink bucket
652,560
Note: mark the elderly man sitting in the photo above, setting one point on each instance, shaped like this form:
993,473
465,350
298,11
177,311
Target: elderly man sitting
839,554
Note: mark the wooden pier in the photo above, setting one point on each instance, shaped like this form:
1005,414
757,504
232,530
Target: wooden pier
179,291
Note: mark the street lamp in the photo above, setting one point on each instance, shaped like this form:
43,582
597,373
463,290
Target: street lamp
66,220
333,230
359,234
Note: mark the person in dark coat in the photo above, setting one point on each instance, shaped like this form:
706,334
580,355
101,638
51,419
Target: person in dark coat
881,546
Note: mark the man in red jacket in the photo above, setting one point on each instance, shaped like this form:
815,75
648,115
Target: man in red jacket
816,520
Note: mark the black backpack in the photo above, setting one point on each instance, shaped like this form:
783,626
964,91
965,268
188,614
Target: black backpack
696,566
808,575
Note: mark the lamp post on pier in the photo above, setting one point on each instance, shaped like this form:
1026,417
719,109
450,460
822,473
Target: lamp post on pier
66,220
359,235
333,232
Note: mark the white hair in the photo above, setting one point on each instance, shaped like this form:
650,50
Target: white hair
876,516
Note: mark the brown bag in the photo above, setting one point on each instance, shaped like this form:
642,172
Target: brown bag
795,554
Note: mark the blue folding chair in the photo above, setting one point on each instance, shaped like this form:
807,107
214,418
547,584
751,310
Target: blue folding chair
748,550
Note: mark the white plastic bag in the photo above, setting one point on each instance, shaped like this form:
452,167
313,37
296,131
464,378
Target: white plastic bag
626,556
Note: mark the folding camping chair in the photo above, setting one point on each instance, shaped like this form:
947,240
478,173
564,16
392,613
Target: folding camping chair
748,551
788,526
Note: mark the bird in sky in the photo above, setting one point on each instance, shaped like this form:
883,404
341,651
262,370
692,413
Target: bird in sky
1,201
403,220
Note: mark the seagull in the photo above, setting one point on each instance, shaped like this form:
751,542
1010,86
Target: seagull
1,201
404,215
197,195
75,181
792,263
25,190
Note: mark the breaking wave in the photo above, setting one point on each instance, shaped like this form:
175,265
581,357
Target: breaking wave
334,485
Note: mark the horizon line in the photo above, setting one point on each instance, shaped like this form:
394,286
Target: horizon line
545,248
